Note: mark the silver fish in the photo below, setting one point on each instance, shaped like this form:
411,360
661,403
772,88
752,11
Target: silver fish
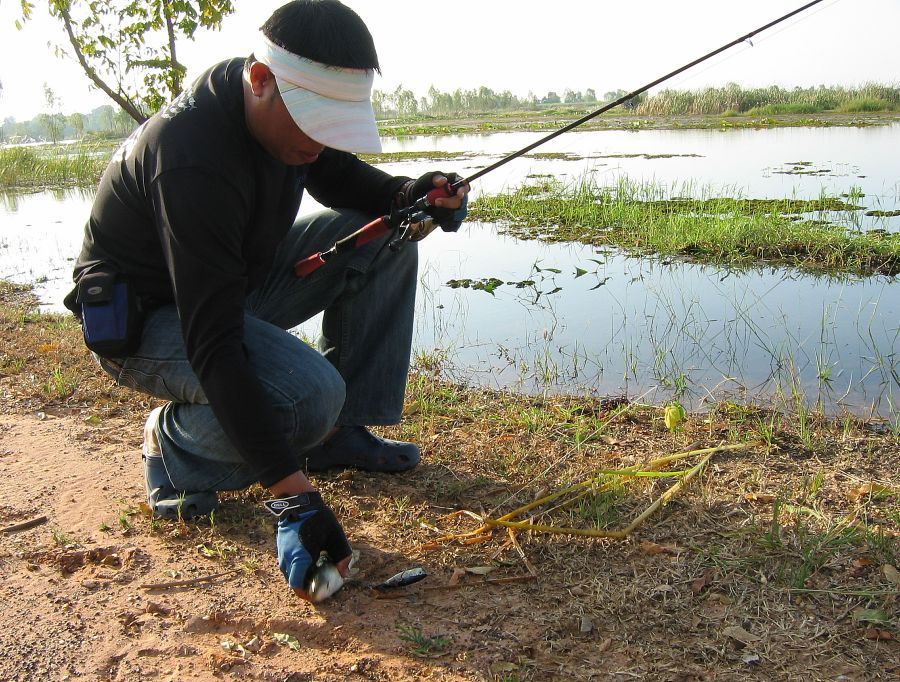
408,577
324,581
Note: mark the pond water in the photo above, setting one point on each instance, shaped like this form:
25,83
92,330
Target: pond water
568,318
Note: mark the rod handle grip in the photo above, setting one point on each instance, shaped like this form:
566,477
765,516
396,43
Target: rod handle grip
306,266
439,193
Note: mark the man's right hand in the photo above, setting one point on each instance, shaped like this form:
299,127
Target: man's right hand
306,528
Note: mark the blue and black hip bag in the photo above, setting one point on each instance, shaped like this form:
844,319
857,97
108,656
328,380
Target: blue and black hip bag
111,315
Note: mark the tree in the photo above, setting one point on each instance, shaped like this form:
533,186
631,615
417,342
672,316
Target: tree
127,48
551,98
633,103
53,122
405,102
7,127
76,120
124,124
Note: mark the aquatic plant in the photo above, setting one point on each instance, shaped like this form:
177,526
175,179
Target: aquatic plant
695,224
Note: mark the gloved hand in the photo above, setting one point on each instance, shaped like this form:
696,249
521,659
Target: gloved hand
448,211
306,528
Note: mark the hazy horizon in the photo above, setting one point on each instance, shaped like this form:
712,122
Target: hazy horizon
526,46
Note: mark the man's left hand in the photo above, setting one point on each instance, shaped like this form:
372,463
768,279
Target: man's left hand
447,211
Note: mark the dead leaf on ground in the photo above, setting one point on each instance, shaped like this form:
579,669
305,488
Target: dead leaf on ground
705,580
867,489
736,632
891,573
500,667
760,498
479,570
455,577
653,548
713,609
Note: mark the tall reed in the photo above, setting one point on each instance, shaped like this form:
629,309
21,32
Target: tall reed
770,100
29,167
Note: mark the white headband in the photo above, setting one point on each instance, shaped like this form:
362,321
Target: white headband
348,85
332,105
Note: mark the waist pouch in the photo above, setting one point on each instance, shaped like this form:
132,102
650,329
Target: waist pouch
111,315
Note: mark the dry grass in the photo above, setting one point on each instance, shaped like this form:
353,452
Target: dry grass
777,563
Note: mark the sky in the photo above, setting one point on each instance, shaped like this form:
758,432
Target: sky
524,46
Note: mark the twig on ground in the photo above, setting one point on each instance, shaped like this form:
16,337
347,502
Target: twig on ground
187,583
24,525
650,469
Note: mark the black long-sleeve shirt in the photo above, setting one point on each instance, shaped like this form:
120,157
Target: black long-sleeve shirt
191,210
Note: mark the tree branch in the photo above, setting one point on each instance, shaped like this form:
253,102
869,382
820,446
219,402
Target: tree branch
176,69
127,105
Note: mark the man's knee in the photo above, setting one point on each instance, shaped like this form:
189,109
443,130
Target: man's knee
318,394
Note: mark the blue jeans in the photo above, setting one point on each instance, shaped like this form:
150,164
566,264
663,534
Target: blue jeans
358,376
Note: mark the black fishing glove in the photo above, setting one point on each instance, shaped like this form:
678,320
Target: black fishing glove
306,528
449,219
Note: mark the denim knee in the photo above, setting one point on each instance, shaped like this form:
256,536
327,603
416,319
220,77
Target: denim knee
318,397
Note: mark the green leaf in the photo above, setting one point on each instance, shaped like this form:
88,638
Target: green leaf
286,640
871,616
579,272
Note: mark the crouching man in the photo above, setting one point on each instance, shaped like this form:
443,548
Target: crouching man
186,289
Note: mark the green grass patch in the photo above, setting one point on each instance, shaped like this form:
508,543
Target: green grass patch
651,218
423,155
787,108
32,167
865,105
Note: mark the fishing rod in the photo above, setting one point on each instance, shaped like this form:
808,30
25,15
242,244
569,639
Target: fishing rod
417,211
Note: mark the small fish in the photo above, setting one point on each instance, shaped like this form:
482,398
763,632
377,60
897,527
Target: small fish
324,581
413,575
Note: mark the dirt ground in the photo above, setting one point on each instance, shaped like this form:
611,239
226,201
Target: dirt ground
76,605
778,562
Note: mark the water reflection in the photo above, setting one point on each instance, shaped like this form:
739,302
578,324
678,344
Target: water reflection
576,319
40,237
604,323
746,162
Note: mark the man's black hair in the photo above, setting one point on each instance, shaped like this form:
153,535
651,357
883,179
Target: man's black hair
324,31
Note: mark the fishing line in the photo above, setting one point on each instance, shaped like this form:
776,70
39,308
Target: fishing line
755,42
451,189
795,22
750,43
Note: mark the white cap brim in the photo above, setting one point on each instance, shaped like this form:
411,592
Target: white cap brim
340,124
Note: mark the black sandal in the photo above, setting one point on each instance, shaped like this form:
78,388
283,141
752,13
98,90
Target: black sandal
357,448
